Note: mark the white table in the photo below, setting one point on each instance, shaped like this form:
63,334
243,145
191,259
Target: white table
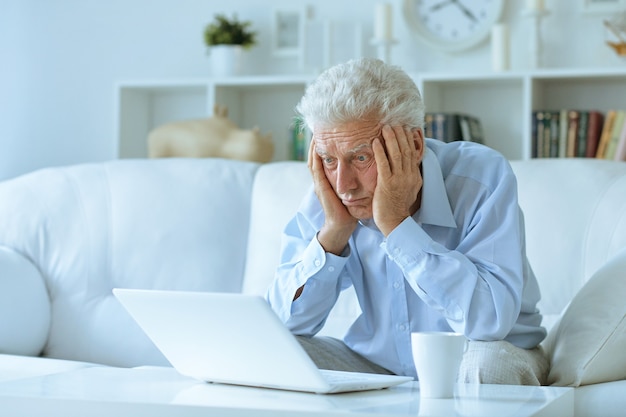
155,392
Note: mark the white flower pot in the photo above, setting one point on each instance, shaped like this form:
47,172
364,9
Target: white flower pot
225,60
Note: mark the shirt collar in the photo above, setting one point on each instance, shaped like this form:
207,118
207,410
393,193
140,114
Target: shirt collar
435,208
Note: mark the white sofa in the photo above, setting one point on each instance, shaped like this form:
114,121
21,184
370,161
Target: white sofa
69,235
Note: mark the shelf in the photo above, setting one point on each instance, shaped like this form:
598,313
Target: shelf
143,106
270,107
580,93
504,102
491,100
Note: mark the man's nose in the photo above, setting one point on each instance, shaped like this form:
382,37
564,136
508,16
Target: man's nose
346,179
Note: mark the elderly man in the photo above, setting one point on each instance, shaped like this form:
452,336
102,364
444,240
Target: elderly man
429,234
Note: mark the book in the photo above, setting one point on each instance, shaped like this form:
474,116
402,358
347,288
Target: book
573,119
607,130
300,139
594,130
620,152
466,129
428,125
449,127
540,123
563,132
533,135
439,123
476,129
437,126
547,134
611,145
581,139
452,128
555,133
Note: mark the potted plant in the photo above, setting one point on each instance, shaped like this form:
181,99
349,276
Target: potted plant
226,39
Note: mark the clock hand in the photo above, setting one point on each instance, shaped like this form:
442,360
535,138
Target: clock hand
465,10
438,6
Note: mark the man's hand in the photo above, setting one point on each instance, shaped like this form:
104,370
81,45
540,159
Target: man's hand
399,177
339,223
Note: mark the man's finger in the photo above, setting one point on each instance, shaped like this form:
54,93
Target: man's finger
382,163
406,146
394,154
315,163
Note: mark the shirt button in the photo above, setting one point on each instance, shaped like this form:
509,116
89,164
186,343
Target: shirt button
331,268
317,262
396,285
402,327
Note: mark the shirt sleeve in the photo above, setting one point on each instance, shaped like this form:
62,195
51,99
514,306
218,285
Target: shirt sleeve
304,262
478,284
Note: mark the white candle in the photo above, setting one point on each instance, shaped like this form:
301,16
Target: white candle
500,47
535,5
383,22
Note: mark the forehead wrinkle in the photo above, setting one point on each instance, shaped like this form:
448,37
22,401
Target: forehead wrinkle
323,152
358,135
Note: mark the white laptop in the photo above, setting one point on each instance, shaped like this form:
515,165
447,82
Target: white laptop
235,339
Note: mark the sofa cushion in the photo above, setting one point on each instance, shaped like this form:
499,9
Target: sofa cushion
179,224
24,306
587,345
575,214
271,211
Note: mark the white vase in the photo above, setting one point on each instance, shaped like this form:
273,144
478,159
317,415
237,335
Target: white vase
225,60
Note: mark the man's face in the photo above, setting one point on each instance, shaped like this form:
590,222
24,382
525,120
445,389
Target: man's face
348,159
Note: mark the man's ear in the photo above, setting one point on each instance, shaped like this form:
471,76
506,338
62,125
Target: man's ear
418,140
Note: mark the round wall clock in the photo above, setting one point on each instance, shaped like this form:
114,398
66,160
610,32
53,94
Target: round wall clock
452,25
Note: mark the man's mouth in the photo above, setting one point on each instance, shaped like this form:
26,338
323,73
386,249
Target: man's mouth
353,202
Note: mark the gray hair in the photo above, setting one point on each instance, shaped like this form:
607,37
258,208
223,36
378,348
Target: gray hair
362,89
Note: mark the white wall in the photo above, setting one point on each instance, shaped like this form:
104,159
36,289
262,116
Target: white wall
60,60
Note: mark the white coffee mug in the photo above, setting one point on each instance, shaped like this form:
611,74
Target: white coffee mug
437,357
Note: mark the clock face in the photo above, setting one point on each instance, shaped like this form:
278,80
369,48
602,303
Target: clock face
452,25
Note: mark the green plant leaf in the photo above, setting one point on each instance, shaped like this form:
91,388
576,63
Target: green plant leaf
225,31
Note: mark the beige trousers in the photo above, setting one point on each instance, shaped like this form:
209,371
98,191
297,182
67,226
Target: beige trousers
496,362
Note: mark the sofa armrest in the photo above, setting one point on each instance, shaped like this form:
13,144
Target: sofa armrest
24,306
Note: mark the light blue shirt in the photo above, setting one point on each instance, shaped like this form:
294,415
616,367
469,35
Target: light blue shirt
458,264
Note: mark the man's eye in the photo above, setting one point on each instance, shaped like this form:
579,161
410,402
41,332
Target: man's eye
328,160
361,158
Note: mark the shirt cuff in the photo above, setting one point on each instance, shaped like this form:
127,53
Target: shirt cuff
406,242
325,265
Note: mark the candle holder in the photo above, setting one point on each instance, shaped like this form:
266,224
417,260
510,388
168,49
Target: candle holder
500,47
383,47
535,46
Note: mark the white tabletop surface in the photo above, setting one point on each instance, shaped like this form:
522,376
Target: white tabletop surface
156,391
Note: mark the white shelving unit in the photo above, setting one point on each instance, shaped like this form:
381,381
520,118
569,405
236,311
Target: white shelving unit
503,101
267,102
